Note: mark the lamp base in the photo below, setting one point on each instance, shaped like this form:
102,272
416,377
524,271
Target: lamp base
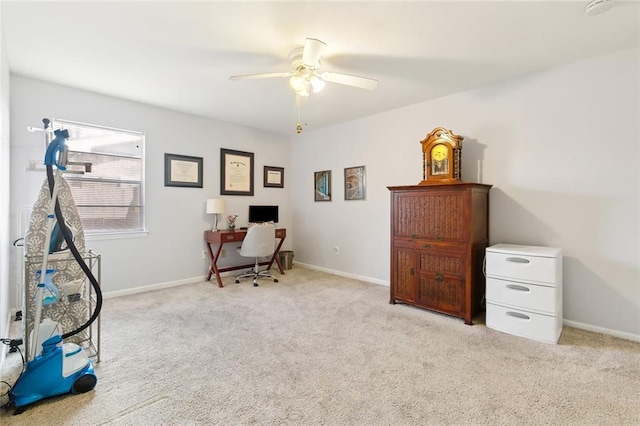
214,228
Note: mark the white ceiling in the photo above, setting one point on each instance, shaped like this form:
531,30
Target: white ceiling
179,55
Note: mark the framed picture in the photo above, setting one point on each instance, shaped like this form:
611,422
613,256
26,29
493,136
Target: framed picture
182,170
322,185
273,177
354,183
236,172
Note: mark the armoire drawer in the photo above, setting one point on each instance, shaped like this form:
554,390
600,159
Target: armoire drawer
441,263
424,244
443,292
544,328
533,297
535,264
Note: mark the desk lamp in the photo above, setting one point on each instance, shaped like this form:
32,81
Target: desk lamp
215,206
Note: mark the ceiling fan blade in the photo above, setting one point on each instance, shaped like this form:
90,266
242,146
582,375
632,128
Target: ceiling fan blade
263,75
312,52
350,80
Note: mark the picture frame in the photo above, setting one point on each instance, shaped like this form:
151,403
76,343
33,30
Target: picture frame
273,177
322,185
355,183
236,172
182,171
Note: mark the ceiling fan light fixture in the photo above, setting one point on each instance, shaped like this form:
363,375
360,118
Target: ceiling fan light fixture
317,83
299,83
305,78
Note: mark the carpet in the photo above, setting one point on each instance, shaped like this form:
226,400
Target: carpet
319,349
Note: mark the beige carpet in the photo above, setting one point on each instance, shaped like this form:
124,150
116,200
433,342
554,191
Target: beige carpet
316,349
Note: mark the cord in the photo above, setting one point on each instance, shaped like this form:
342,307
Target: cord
483,301
13,344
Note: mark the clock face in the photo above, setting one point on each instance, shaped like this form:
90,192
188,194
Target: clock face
439,160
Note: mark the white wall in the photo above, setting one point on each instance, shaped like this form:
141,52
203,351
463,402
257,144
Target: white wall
176,218
5,241
540,140
561,151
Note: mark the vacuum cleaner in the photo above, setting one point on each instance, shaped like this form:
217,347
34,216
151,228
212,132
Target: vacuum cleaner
53,366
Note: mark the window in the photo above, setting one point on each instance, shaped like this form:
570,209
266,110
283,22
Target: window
110,198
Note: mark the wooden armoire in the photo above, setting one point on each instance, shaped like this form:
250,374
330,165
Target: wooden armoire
439,233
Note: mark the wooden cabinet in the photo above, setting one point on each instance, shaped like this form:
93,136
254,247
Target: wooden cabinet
439,233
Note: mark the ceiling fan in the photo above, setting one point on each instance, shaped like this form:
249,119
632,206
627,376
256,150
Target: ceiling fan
305,76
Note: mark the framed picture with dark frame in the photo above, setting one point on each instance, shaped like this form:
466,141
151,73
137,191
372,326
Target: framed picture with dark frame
182,170
322,185
355,185
236,172
273,177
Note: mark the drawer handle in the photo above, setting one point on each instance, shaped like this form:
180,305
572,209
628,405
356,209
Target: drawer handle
414,236
439,277
229,237
518,315
517,260
427,246
518,287
440,238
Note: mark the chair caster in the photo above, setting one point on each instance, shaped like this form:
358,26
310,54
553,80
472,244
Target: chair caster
275,280
237,281
255,284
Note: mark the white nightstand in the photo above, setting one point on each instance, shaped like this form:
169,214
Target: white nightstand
524,291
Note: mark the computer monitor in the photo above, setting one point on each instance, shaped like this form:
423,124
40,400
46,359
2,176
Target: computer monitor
259,214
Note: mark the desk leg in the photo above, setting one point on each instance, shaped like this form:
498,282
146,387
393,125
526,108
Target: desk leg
213,264
277,258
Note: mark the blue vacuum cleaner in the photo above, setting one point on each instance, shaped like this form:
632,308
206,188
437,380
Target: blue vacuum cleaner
54,367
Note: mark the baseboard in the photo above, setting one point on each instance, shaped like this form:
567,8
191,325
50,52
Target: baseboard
152,287
574,324
602,330
344,274
177,283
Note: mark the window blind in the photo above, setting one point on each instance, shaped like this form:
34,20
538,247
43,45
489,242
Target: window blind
110,198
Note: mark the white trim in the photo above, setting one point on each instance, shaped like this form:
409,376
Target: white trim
194,280
115,235
344,274
151,287
602,330
574,324
79,123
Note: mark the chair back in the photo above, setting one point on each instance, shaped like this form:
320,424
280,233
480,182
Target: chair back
259,241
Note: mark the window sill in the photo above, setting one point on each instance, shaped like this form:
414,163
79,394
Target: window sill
116,236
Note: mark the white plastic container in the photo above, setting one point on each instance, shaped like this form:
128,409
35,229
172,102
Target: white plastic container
524,291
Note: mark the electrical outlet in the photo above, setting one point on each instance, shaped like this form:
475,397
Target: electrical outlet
204,254
223,253
336,250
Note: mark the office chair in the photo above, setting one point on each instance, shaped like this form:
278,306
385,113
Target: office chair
259,242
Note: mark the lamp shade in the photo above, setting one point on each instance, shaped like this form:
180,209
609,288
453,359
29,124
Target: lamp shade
216,205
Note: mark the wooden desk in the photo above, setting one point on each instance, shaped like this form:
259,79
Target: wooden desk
220,238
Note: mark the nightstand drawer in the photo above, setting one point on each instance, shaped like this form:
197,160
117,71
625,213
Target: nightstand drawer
533,297
522,266
544,328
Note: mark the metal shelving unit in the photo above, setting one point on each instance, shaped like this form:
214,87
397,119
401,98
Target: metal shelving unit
75,305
